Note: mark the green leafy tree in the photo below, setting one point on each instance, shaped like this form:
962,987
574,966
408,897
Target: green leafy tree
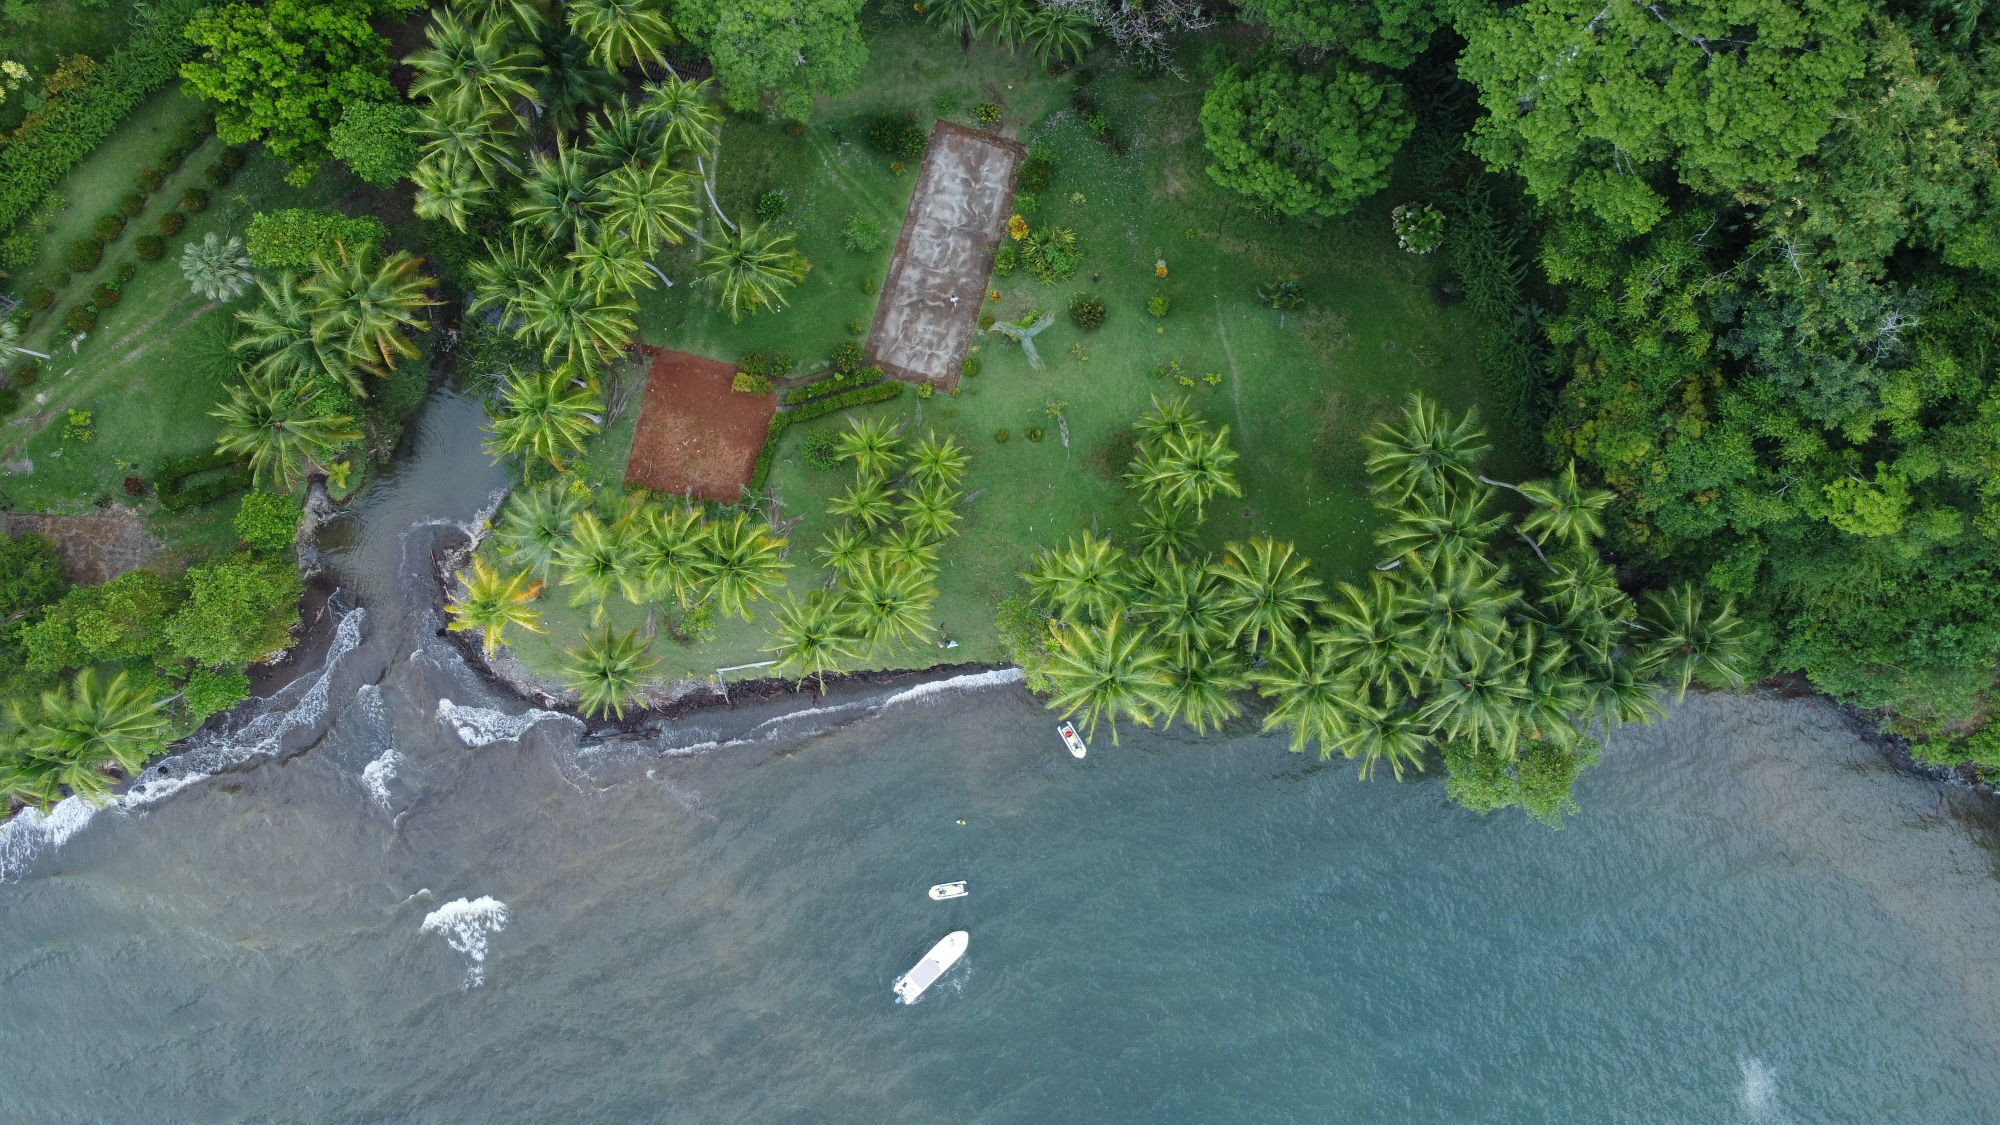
608,671
118,622
492,602
289,238
239,608
1390,33
268,521
1299,142
272,423
791,50
545,415
374,139
283,71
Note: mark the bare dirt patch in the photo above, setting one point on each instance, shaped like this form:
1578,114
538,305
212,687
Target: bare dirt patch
94,549
697,436
937,280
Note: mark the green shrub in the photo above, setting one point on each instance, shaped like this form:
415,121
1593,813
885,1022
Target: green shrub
26,374
81,318
985,322
1053,253
779,421
267,521
287,239
238,609
83,254
1158,304
1005,260
79,427
201,478
1002,437
108,227
41,297
843,381
1036,171
232,158
215,175
847,357
750,384
133,203
1026,203
373,138
820,449
150,179
987,114
770,205
970,366
106,296
861,234
126,272
1034,433
172,222
898,135
10,401
213,690
149,247
194,201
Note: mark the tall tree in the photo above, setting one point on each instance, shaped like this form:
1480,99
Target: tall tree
887,602
791,50
1300,142
368,306
283,340
752,267
546,415
1108,671
473,71
272,423
608,671
596,560
621,32
74,736
746,563
535,524
1266,591
492,602
812,637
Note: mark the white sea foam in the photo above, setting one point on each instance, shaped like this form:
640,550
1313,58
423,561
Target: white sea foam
956,685
484,726
1759,1094
376,775
466,923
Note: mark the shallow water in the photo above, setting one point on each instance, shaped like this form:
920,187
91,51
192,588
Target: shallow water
434,905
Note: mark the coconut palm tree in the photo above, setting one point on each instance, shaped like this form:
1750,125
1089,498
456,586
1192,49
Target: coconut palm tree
1006,21
887,601
560,312
1311,694
216,268
280,338
1085,578
1480,697
492,603
911,548
570,84
932,509
685,113
528,17
653,206
1186,470
869,500
959,18
936,461
1458,609
1181,602
814,636
745,563
1690,640
448,191
1374,735
1266,591
545,415
270,421
536,522
608,671
620,136
1564,511
621,33
752,267
610,263
560,195
844,548
473,72
95,726
24,778
1202,688
1430,529
1170,418
1107,671
475,149
10,343
596,560
1428,453
672,553
501,278
1164,530
366,306
1056,35
874,445
1370,633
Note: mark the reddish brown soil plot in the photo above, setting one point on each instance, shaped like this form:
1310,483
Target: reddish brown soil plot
697,436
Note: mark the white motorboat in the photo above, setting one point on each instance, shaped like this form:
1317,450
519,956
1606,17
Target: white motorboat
1071,739
935,964
948,890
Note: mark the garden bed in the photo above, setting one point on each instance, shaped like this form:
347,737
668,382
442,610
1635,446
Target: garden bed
697,436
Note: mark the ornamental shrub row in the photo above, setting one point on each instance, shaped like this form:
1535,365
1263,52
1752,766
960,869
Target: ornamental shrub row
882,392
195,480
846,380
51,142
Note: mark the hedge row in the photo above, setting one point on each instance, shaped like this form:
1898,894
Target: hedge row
180,488
880,393
866,377
51,142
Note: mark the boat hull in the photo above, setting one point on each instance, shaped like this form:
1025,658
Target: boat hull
934,965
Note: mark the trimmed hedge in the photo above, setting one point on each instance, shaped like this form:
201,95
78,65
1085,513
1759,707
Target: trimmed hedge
194,201
181,486
83,254
172,222
845,381
51,142
882,392
108,227
149,247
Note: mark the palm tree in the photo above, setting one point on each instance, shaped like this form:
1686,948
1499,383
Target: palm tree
501,278
652,206
217,268
1087,577
282,337
364,307
570,83
492,603
873,445
475,150
76,735
10,343
1691,641
1564,510
1370,634
1174,417
1202,688
621,32
671,553
958,18
1459,609
621,136
610,263
911,548
745,563
936,461
24,778
887,601
845,548
1311,694
597,560
813,637
608,671
869,500
1164,530
1267,593
529,17
545,414
1057,35
1428,453
932,509
559,195
1181,602
1006,20
1186,470
560,312
271,422
752,266
685,114
472,72
1107,672
536,522
1432,529
1480,698
1374,735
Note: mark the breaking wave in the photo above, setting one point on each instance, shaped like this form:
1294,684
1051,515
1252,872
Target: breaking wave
484,726
466,924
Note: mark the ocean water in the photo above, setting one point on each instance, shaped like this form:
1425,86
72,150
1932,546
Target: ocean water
406,898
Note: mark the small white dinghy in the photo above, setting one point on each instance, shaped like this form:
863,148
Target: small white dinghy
1071,739
935,964
948,890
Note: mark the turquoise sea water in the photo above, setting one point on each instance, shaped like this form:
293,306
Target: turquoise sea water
1755,919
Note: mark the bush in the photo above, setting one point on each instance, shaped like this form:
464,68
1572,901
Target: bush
770,205
1158,304
1002,437
1036,171
201,478
232,158
287,239
1005,259
41,297
898,135
149,247
373,138
84,254
1034,433
861,235
1053,253
78,427
848,357
150,179
126,272
820,447
1026,203
845,381
752,363
267,521
135,486
106,296
1086,310
81,318
750,384
987,114
970,366
985,322
782,366
211,690
194,201
215,175
108,227
172,222
26,374
820,409
133,203
10,401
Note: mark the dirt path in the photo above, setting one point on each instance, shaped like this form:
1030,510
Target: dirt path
94,549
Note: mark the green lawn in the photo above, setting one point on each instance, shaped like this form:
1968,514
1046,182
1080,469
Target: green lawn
1296,390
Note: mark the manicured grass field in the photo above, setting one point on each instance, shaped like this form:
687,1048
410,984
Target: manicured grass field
1296,389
